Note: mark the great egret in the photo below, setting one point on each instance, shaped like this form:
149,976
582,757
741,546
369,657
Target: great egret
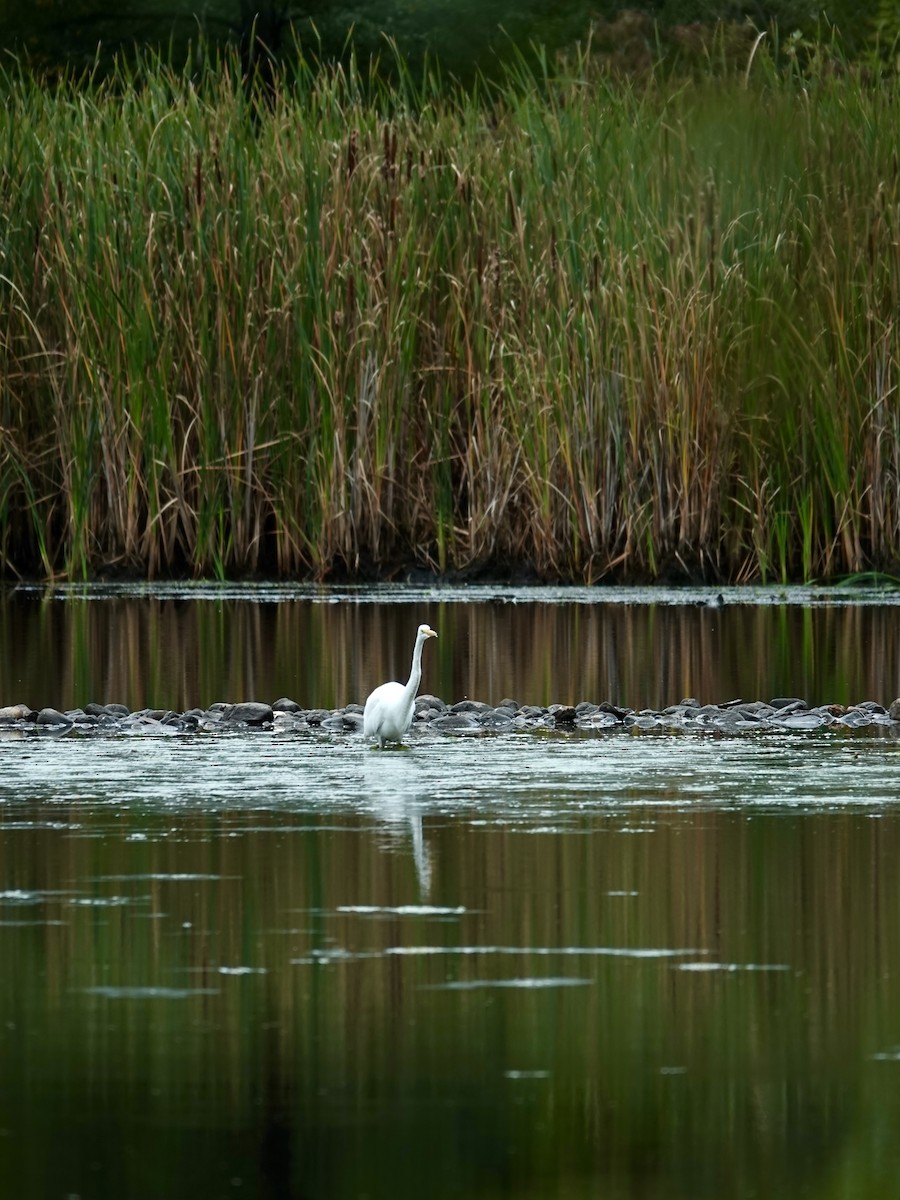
389,710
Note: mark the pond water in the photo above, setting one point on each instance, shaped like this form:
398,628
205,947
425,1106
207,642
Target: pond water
558,965
180,646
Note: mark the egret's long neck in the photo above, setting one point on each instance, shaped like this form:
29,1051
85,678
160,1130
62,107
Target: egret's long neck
415,674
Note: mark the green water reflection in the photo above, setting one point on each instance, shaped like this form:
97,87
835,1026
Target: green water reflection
264,1004
175,653
565,966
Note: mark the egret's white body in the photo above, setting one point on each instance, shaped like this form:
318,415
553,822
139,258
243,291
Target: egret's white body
389,710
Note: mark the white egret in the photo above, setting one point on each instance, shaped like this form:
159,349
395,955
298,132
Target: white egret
389,710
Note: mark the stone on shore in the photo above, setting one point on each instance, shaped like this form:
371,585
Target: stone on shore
16,712
52,717
562,714
106,710
465,718
250,712
457,722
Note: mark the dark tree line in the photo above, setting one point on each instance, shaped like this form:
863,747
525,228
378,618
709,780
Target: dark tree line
461,36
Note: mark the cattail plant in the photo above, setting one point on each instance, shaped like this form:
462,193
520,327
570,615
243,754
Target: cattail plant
597,329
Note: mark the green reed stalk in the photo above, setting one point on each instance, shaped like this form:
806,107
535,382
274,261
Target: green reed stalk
596,329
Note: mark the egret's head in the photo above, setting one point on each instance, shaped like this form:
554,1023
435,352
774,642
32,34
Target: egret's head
425,631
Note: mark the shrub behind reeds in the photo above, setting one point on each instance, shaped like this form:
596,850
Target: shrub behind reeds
588,328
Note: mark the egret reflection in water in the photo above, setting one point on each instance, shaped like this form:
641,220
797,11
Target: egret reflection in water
395,793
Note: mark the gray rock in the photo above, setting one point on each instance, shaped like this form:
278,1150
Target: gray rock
466,717
707,712
824,711
112,725
16,712
682,716
497,718
456,722
757,708
853,718
469,706
315,716
53,717
562,714
290,721
251,712
107,710
672,719
78,714
734,720
599,720
140,723
796,719
644,720
752,714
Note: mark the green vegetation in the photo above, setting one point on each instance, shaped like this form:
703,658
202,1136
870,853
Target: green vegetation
594,328
465,37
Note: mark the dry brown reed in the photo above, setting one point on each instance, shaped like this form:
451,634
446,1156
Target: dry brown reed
586,328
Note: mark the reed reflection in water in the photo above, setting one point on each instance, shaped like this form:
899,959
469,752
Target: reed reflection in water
173,653
264,1001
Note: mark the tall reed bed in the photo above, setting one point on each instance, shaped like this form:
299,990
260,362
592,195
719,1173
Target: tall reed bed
593,329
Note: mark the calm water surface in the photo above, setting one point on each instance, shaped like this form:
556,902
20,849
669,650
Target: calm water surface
183,646
565,965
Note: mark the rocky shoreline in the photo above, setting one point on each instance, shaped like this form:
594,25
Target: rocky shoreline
464,718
